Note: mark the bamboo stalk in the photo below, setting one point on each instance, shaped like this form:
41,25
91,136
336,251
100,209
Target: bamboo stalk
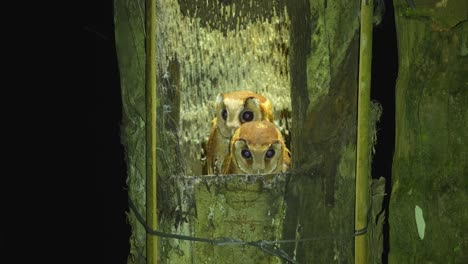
151,212
362,160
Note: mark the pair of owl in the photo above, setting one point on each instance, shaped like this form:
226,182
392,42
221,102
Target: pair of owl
243,138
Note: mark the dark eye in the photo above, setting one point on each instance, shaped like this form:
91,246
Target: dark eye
247,116
224,114
246,154
270,153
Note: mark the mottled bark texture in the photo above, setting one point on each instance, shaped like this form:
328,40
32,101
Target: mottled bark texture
303,55
203,48
130,44
323,65
428,204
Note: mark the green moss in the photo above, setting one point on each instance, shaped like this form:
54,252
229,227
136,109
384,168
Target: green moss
129,37
323,93
247,208
256,56
328,53
429,168
419,12
445,14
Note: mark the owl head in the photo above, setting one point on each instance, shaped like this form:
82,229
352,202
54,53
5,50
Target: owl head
239,107
257,147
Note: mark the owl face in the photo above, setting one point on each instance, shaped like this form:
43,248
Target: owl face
258,148
236,108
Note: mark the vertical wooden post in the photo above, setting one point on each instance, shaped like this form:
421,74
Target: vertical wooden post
151,216
363,166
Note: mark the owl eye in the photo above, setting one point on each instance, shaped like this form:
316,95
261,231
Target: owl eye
224,114
247,116
246,154
270,153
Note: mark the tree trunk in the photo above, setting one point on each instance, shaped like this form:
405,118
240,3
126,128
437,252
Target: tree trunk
429,197
324,59
303,56
130,44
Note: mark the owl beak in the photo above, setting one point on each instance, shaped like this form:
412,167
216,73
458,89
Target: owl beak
231,124
258,167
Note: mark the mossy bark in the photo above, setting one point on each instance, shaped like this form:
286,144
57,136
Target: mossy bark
130,44
203,47
301,52
245,208
428,212
324,59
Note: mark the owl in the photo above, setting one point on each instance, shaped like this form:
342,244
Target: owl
256,148
231,110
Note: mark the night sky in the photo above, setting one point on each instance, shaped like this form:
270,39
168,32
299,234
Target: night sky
109,182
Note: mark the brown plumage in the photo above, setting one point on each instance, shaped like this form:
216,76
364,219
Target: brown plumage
232,110
256,148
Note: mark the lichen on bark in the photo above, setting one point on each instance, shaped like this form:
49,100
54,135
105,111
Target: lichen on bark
429,164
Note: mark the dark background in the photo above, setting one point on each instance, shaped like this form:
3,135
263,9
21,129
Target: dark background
384,74
109,186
